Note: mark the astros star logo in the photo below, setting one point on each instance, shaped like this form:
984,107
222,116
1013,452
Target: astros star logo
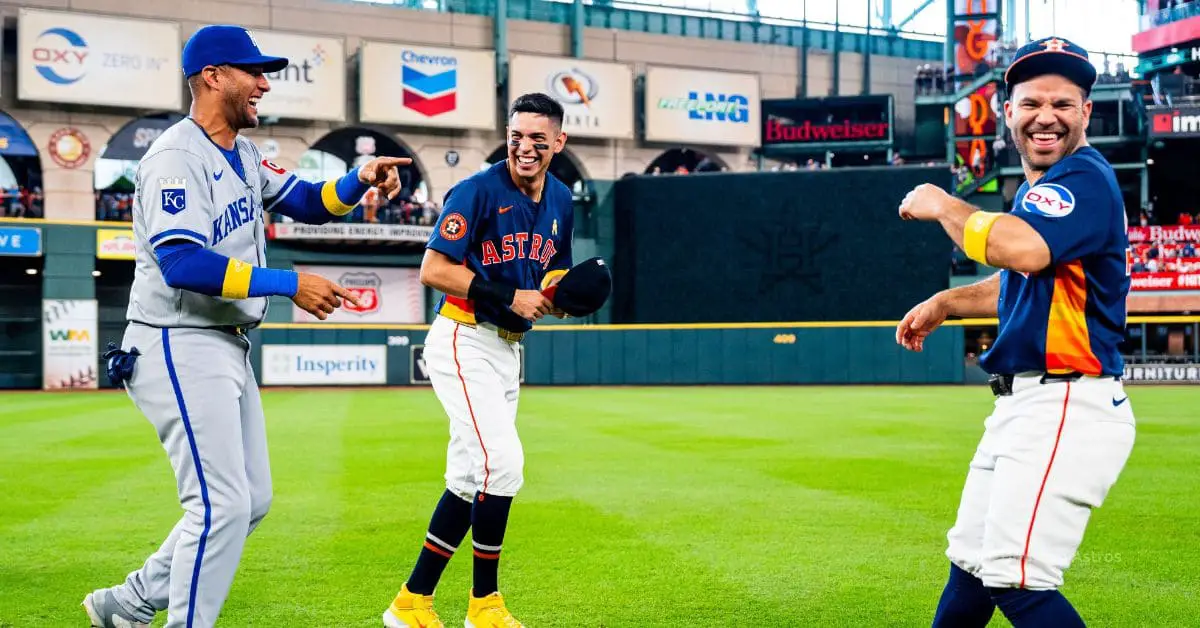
1054,45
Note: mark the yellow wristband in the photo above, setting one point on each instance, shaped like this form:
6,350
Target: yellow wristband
237,279
333,204
975,234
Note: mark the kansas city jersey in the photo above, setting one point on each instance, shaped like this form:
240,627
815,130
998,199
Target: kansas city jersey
186,189
1069,317
502,235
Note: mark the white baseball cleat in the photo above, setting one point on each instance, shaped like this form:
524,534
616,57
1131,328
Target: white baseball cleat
104,612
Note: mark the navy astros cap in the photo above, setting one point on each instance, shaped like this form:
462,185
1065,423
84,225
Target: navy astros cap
1051,55
583,290
226,45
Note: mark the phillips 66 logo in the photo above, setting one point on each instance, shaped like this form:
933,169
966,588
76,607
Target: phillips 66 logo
366,287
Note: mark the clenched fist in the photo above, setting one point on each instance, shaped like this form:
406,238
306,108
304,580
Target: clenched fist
924,202
530,304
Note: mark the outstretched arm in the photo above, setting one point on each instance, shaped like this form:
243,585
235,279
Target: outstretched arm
318,203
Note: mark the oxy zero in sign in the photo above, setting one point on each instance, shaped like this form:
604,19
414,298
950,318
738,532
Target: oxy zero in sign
366,288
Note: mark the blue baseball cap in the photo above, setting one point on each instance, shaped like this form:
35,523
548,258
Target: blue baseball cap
1051,55
226,45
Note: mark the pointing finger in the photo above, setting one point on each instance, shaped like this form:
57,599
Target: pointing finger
347,295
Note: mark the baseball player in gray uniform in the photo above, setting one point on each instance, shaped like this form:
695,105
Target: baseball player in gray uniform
200,282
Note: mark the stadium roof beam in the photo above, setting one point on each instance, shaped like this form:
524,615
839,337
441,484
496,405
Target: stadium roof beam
911,16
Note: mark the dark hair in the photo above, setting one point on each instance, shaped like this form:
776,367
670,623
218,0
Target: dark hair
540,104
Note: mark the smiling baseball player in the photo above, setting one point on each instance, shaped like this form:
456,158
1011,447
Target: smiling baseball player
1062,428
503,236
199,284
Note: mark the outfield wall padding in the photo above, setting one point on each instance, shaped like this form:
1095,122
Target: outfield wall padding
672,356
823,245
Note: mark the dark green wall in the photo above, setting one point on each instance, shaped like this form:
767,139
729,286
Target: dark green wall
619,356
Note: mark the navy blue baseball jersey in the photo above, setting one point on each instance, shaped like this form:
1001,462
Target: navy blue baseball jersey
498,232
1069,317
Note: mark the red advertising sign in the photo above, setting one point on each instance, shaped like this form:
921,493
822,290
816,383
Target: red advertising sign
1164,281
1169,235
975,34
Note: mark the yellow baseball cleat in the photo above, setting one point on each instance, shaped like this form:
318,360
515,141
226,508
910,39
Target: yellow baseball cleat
410,610
489,612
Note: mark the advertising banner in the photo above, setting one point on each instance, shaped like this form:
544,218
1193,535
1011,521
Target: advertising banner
93,60
702,107
797,122
426,86
387,295
1174,121
975,35
318,365
1169,235
597,98
1161,373
349,231
69,349
21,241
115,244
1164,281
313,86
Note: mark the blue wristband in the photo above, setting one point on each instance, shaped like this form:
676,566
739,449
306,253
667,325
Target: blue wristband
271,281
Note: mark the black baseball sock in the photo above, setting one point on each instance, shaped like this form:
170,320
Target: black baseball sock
965,602
489,518
1034,609
447,528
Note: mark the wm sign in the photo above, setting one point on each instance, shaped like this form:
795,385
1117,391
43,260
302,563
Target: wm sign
70,335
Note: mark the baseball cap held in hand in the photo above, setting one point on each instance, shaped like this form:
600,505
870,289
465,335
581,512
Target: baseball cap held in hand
583,289
224,44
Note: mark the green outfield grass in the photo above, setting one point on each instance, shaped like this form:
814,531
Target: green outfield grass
642,507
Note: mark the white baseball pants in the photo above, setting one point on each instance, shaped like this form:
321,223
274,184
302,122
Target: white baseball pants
1049,455
476,375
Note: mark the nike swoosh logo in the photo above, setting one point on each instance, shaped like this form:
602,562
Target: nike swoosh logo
217,175
1117,402
504,210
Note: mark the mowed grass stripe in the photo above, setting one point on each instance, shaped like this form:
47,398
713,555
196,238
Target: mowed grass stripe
647,507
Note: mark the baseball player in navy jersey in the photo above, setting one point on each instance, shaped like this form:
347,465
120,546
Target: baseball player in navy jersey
199,284
1062,427
504,235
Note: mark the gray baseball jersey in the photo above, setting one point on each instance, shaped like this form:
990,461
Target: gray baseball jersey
187,190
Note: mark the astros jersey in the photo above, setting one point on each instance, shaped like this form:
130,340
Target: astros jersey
1069,317
187,189
501,234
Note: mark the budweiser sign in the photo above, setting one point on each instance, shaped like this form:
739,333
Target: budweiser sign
833,120
780,132
1164,281
1167,235
1174,121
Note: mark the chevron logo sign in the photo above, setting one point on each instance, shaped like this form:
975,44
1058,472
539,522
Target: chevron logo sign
430,83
